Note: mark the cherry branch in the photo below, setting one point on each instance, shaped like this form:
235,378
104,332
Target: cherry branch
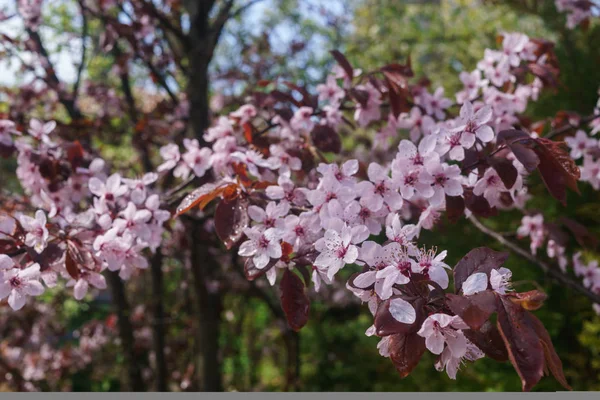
568,127
551,271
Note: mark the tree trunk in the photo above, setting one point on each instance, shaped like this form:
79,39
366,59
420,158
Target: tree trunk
158,331
132,362
209,307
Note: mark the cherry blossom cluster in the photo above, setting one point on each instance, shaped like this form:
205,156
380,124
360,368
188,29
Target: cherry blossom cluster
590,274
588,148
329,214
287,211
533,226
86,221
577,11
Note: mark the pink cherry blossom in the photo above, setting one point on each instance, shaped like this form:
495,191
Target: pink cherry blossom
37,234
330,91
109,190
339,248
261,246
380,190
439,329
452,364
17,284
271,216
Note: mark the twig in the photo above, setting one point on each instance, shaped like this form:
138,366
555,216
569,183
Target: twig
84,35
551,271
567,128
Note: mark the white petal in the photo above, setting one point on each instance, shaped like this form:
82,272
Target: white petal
403,311
475,283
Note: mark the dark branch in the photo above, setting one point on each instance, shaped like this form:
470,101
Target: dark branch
84,36
51,77
166,24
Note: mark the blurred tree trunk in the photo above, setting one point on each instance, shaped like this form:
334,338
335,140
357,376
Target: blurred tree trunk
209,307
123,311
202,39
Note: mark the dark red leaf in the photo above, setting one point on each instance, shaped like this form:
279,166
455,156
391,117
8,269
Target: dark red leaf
478,205
557,168
556,233
343,61
231,218
526,156
547,74
398,98
361,96
203,195
294,301
480,259
386,324
489,340
525,350
553,362
475,309
252,272
583,236
75,154
71,266
519,142
506,171
305,274
406,351
455,208
325,138
51,254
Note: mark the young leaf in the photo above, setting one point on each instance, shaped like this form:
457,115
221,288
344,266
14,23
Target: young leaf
203,195
294,301
480,259
531,300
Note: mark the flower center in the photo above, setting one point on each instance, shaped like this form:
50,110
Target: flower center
15,282
380,189
263,242
441,179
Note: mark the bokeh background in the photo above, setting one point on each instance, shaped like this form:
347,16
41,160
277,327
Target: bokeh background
291,39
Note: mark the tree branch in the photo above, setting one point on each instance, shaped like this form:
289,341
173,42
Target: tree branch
168,25
554,273
568,127
84,35
51,77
